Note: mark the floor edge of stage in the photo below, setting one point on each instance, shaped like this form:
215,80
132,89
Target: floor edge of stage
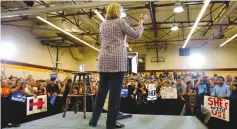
138,121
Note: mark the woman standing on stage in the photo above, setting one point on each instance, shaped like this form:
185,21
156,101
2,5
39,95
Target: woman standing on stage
112,63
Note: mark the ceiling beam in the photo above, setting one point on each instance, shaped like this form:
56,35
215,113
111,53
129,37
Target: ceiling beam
218,15
153,18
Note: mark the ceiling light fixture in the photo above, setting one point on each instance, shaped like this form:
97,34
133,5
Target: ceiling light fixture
174,27
228,40
60,29
103,19
178,8
196,22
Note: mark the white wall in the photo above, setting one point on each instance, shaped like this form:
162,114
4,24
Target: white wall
215,57
29,50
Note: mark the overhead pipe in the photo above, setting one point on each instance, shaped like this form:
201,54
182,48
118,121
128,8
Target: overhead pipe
37,11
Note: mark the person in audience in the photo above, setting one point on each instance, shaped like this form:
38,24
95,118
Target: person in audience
190,99
31,88
233,88
124,86
52,88
13,81
175,75
126,80
131,88
203,73
95,87
20,86
197,75
65,90
221,90
186,74
233,102
191,106
158,87
181,88
203,86
140,92
228,79
7,120
42,89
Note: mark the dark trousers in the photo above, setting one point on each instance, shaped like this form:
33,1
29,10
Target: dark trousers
112,82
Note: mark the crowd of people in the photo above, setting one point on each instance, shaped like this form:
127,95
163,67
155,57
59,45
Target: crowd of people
191,89
30,88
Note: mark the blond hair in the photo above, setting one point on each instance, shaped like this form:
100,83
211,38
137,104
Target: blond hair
113,11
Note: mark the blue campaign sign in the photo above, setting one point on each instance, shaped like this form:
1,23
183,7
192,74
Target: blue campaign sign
18,97
124,93
52,99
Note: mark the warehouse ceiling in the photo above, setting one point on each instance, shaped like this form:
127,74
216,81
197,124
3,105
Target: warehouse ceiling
84,23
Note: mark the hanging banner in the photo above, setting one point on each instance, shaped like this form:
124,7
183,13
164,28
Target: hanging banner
124,93
18,97
218,108
151,92
36,105
168,92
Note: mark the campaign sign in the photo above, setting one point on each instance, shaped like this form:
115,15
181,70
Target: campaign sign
52,99
168,93
151,92
36,105
218,108
124,93
18,97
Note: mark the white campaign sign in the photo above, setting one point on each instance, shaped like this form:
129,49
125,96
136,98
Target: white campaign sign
218,108
168,92
151,92
36,105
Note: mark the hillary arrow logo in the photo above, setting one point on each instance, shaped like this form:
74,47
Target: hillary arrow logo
39,103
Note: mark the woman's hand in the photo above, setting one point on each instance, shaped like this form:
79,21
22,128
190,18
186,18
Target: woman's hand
143,18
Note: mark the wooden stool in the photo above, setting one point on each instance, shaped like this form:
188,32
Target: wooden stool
86,84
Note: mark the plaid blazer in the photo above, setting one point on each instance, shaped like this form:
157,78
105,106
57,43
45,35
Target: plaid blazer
113,53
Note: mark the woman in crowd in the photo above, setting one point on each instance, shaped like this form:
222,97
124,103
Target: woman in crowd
163,103
42,89
31,88
190,99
